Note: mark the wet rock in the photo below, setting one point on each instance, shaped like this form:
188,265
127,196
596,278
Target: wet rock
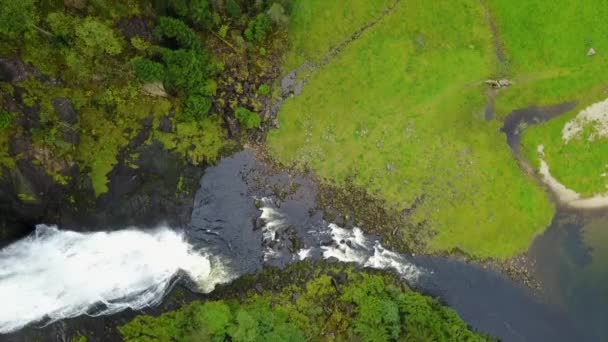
65,110
70,135
165,124
233,127
259,223
287,82
135,27
13,70
332,260
591,52
341,278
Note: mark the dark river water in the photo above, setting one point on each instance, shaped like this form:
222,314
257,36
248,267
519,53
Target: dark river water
250,216
569,259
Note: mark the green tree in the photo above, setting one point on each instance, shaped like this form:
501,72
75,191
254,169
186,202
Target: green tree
247,118
197,107
17,17
147,70
95,38
217,317
258,28
171,28
233,9
245,328
276,13
187,70
180,7
200,13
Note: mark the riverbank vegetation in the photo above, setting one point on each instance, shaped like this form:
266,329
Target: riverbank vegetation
82,79
316,303
399,111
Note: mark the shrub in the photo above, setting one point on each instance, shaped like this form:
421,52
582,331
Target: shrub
61,24
258,28
6,119
171,28
17,17
247,118
196,107
140,43
264,90
95,38
147,70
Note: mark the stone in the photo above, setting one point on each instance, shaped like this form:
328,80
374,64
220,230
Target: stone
298,88
135,27
154,89
12,70
165,124
497,84
65,110
591,52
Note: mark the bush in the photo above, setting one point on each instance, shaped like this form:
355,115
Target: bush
61,24
147,70
17,17
258,28
171,28
95,38
264,90
196,107
247,118
6,119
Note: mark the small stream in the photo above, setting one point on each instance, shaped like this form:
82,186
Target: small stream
241,223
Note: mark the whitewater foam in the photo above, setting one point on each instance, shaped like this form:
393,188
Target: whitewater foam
55,274
351,245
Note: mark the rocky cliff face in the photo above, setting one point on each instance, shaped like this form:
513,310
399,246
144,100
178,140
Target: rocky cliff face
147,187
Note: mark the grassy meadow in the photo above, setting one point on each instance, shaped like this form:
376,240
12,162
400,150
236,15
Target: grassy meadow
400,112
546,44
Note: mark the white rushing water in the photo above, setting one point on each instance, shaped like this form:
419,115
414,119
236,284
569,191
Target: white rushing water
55,274
349,245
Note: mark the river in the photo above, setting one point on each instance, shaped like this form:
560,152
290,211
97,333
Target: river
239,224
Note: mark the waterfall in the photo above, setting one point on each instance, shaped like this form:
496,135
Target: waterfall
55,274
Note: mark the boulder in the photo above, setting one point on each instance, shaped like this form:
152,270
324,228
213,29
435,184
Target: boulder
154,89
165,124
499,83
65,111
591,52
12,70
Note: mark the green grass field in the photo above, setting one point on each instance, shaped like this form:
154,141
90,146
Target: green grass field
546,44
318,25
400,111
